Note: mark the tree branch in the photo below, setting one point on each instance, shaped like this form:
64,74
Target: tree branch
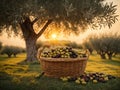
29,25
44,28
35,20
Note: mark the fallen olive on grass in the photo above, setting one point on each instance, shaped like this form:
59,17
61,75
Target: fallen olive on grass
89,77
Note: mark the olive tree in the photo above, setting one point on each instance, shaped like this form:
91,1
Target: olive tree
33,17
16,50
11,50
97,45
87,45
106,45
7,50
112,45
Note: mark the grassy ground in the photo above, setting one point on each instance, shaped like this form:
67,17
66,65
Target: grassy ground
14,76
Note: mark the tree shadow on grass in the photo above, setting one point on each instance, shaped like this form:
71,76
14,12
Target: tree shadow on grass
10,82
6,81
5,76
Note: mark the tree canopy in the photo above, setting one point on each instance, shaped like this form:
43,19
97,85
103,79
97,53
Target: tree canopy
71,14
62,15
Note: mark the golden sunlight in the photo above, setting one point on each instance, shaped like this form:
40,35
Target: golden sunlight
53,36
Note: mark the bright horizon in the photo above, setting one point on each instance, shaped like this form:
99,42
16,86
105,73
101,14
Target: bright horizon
17,41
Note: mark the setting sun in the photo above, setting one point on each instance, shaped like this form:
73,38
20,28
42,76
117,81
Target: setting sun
54,36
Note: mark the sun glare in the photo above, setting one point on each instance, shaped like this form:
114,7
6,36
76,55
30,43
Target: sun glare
54,36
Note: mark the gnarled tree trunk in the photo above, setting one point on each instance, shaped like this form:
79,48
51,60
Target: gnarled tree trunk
31,49
110,55
31,37
102,54
90,50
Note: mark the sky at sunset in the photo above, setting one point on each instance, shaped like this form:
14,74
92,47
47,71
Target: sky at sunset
16,41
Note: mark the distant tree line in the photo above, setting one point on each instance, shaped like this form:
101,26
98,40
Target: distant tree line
11,50
105,44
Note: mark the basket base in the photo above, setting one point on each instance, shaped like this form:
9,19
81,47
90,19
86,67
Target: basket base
54,76
60,68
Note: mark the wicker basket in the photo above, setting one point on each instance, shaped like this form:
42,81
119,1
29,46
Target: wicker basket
61,67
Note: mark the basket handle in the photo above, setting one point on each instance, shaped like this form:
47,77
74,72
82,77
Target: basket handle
40,50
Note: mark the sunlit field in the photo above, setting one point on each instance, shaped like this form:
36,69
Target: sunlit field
15,75
77,43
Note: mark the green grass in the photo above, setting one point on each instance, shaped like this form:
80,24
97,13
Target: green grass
14,76
95,63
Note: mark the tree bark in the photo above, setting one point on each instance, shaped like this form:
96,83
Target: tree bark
31,49
31,37
14,55
9,55
110,56
90,50
102,54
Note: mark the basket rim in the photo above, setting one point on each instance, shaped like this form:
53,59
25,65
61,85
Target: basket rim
63,59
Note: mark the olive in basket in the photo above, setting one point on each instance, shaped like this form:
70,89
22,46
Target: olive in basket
61,52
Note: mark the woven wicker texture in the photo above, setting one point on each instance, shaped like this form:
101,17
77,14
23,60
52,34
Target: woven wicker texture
61,67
